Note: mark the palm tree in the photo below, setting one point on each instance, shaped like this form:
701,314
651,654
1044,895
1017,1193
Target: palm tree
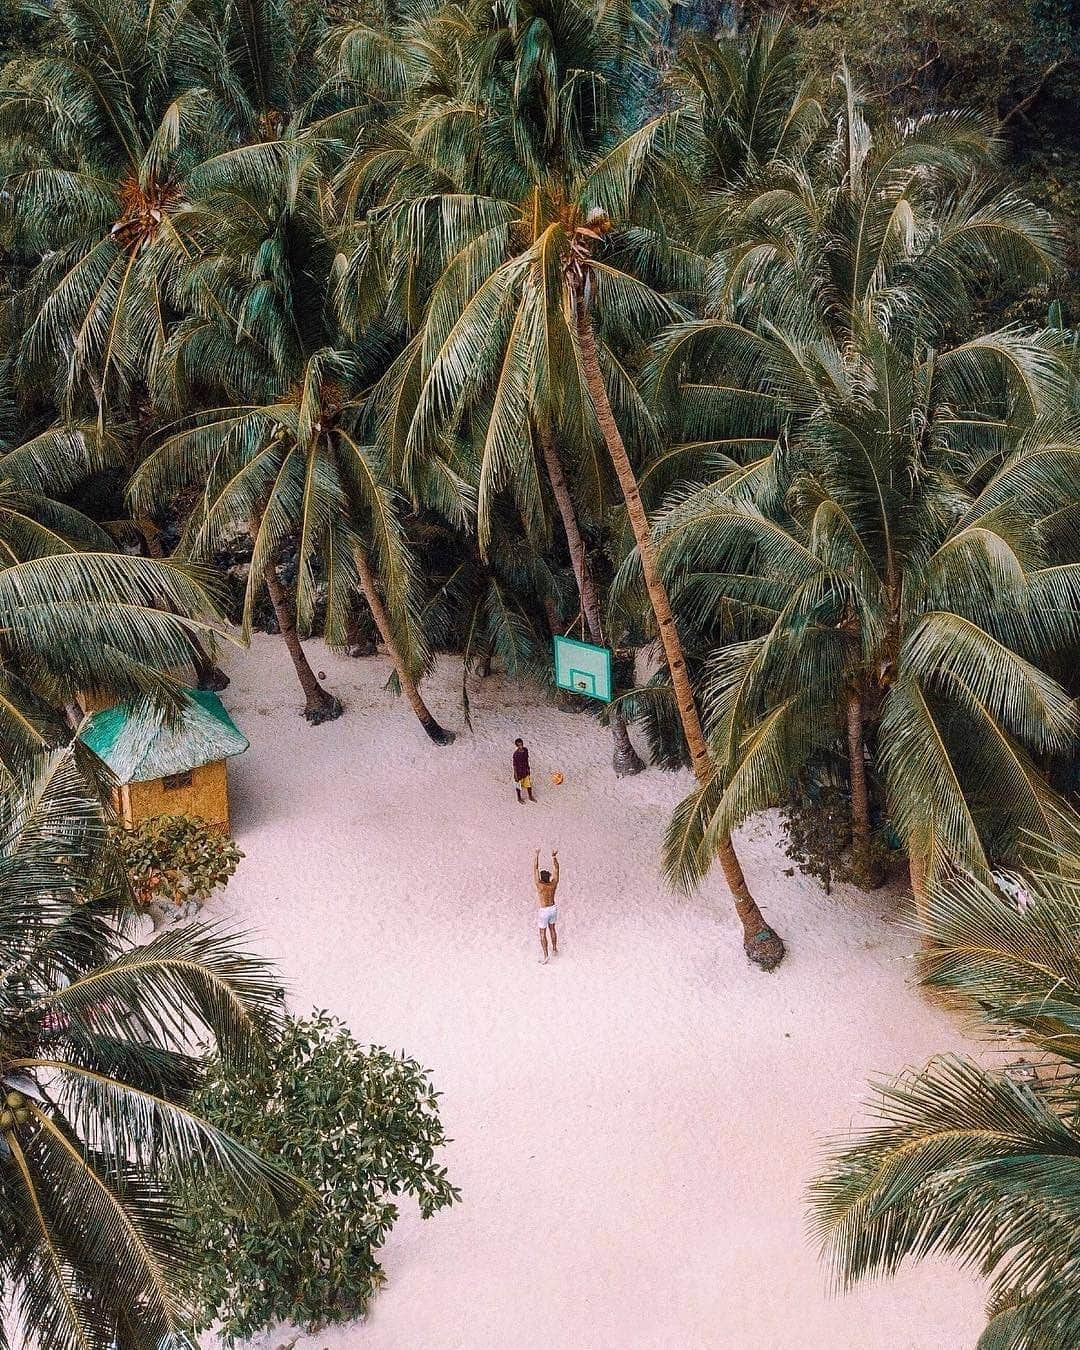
487,139
105,134
521,396
515,297
896,585
101,130
286,449
96,1068
762,945
78,618
973,1163
751,108
905,222
896,472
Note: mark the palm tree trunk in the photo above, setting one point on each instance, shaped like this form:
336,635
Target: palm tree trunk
917,876
761,944
867,874
920,893
552,615
319,704
368,586
207,674
564,701
625,760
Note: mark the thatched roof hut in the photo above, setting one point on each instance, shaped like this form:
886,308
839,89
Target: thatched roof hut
167,761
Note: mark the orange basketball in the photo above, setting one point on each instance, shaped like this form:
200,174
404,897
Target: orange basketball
556,778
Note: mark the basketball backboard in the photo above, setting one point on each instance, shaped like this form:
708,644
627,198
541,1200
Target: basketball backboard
582,668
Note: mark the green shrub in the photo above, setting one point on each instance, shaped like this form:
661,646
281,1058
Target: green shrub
176,859
360,1125
818,829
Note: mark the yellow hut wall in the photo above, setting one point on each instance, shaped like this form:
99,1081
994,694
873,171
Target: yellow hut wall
207,796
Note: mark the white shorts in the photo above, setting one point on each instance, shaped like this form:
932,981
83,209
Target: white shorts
546,916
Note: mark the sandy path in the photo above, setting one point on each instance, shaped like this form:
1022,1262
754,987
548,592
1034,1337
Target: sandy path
634,1123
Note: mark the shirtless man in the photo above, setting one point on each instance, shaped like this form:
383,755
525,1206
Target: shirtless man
545,903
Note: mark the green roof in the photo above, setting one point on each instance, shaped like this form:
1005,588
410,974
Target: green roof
143,741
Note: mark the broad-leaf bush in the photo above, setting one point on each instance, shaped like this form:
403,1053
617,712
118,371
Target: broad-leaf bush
819,842
361,1126
176,859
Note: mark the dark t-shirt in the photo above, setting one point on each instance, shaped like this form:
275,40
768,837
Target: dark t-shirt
521,763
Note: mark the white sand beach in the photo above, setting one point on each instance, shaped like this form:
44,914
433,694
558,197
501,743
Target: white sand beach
634,1123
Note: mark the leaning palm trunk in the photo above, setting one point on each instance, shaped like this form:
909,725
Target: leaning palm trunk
867,872
761,944
917,876
368,586
207,674
319,704
625,759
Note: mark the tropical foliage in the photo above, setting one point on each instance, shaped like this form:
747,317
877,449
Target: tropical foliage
79,619
887,560
361,1127
176,860
98,1070
475,322
1016,62
982,1164
399,296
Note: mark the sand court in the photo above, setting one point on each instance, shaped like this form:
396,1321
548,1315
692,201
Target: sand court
635,1122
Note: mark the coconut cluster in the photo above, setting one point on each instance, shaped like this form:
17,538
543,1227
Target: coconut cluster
14,1112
